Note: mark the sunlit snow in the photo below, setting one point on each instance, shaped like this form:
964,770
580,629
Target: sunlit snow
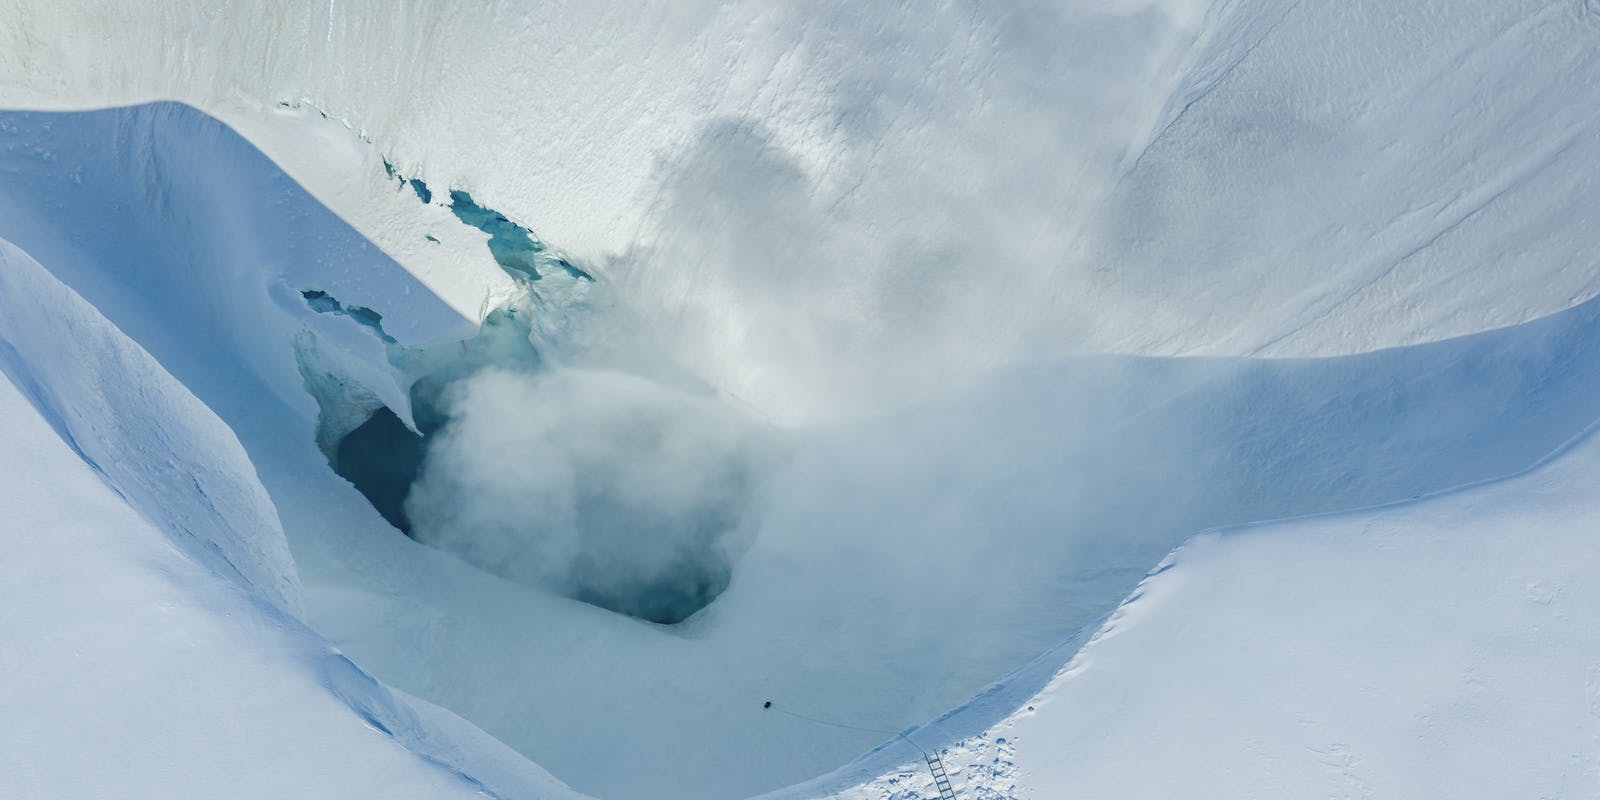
1136,399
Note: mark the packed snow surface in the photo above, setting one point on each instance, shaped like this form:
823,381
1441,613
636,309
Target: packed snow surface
903,343
819,204
1443,648
163,660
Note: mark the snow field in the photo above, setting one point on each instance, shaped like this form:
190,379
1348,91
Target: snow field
992,312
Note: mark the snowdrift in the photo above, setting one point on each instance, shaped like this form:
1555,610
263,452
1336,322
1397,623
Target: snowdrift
818,206
149,578
1018,509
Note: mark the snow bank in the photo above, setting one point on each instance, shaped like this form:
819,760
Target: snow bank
1437,648
150,598
1014,509
152,677
887,229
819,205
157,446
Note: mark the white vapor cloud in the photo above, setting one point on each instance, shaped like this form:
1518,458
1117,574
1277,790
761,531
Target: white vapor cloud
595,485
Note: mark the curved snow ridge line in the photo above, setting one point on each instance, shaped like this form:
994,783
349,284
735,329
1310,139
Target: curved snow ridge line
1111,599
115,628
401,719
180,468
153,441
972,724
960,726
196,186
432,91
1495,573
974,727
170,183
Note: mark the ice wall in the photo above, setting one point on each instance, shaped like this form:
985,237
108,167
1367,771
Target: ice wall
808,204
860,213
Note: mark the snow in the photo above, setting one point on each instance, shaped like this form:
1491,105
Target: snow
165,454
1451,653
140,667
1022,297
888,191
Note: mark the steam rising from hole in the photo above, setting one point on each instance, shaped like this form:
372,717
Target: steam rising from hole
599,486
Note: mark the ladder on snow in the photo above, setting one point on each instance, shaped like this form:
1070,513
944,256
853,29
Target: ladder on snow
941,779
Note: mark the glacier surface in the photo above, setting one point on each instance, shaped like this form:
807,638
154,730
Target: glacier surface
1012,301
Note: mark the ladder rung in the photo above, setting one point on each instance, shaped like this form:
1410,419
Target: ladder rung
941,779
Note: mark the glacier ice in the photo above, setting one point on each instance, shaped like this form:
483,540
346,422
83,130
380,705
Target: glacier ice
606,488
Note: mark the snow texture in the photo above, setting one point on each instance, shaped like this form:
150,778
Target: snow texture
1017,298
1451,652
154,661
153,443
822,204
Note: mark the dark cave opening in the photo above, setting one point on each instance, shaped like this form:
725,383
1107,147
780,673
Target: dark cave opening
660,564
382,458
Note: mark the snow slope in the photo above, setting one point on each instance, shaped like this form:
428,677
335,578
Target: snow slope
897,233
860,566
149,661
887,191
1455,655
1441,648
153,677
166,454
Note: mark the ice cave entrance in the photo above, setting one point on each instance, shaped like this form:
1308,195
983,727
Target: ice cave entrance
655,564
604,447
611,490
